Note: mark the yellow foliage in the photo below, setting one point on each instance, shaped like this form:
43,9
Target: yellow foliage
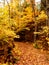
15,20
42,16
4,64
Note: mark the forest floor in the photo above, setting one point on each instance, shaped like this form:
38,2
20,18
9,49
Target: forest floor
30,55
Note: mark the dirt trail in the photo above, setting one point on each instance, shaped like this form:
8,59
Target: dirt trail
31,55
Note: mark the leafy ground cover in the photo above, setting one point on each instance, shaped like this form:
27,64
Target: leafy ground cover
30,55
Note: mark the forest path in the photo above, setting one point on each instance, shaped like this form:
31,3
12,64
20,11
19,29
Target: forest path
31,55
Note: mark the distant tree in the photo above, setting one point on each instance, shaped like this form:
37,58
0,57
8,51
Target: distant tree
43,4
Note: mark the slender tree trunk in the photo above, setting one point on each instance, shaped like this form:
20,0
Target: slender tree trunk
47,9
